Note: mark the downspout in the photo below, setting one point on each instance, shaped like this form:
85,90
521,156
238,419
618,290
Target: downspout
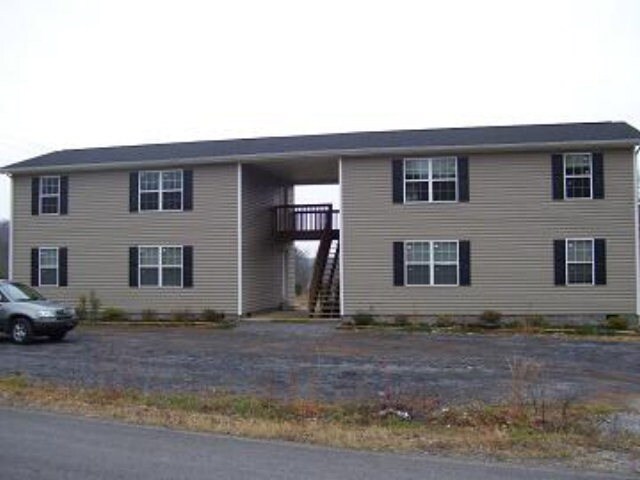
239,236
341,236
637,225
12,217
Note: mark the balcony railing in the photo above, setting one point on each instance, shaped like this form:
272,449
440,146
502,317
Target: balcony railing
305,222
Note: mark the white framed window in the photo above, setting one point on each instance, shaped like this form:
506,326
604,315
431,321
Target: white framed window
580,264
430,262
431,179
578,175
48,266
160,266
160,190
50,195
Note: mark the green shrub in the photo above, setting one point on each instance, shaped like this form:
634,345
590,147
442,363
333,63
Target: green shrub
181,316
444,321
149,315
112,314
616,322
363,318
491,317
535,321
401,321
82,308
94,306
213,316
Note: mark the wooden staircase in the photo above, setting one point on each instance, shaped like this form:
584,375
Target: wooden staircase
315,222
324,291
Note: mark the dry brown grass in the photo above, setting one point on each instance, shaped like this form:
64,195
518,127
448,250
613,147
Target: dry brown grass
568,433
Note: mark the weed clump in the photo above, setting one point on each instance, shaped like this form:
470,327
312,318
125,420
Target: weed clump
212,316
361,319
149,315
113,314
444,321
616,322
491,318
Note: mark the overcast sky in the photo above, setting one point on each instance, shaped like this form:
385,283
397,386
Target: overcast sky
88,73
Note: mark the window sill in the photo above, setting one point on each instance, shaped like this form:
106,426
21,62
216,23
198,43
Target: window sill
434,202
161,211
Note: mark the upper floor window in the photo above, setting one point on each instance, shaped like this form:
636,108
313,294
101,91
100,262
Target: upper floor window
49,195
431,263
48,266
430,179
578,175
161,190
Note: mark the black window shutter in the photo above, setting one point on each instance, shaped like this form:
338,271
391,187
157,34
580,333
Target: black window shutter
63,279
64,195
397,174
187,266
133,266
600,257
598,175
35,196
398,264
35,267
187,179
559,256
463,179
133,192
557,176
464,252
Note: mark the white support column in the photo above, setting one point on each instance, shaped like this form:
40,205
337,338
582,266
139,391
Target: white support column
239,246
341,233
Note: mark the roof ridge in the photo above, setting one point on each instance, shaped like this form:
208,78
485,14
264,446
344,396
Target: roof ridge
353,132
341,143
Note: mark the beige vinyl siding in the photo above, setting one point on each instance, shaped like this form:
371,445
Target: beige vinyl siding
99,230
511,222
262,256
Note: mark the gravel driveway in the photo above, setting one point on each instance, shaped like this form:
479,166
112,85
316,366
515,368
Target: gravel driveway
318,361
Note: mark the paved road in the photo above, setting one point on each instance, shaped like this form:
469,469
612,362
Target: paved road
318,361
46,446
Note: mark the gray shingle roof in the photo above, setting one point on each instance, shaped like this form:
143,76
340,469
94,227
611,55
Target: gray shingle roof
342,143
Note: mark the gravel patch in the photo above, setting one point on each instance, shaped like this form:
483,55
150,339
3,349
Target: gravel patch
317,361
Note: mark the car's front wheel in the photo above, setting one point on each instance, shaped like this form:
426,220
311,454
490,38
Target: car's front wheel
21,331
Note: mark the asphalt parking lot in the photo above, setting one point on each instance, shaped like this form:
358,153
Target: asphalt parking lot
318,361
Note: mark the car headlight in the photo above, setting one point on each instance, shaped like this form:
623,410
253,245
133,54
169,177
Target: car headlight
46,314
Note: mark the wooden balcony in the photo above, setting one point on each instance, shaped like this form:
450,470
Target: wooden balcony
305,222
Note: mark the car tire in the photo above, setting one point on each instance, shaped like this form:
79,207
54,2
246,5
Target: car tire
57,337
21,331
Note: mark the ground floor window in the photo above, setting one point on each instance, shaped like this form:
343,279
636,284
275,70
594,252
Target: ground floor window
48,266
160,266
580,261
431,262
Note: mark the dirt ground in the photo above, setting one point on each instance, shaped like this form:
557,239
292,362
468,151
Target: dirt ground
318,361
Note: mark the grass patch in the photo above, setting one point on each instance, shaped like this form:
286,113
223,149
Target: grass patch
501,431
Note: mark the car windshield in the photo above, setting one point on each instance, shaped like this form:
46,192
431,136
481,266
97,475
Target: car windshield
21,293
